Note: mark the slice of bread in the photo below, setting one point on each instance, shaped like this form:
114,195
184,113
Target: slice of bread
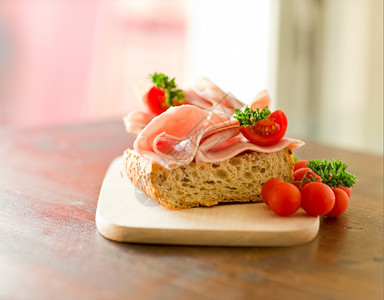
238,179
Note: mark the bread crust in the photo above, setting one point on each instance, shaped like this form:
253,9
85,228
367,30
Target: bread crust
238,179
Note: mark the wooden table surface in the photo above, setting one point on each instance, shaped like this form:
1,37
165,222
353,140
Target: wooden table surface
50,248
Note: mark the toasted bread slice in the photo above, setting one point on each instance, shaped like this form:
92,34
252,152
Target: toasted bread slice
238,179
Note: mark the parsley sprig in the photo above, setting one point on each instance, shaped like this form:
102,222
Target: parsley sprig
332,173
249,117
169,86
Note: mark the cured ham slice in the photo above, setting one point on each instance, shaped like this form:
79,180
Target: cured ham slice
141,91
211,92
171,139
191,97
203,129
261,100
186,133
237,145
136,120
206,95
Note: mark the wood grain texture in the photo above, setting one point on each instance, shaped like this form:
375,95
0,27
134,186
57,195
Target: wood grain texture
50,179
125,214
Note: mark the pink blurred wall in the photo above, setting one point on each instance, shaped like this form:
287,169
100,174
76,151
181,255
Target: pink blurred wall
134,38
75,61
51,43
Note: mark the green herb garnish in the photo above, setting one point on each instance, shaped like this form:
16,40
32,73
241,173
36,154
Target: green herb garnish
169,86
249,117
333,173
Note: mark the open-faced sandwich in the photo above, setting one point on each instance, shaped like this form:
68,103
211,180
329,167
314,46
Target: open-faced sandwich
202,147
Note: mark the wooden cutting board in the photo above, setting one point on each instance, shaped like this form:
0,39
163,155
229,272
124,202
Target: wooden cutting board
125,214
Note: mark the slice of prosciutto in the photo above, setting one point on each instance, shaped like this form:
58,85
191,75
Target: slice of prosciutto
136,120
186,133
206,96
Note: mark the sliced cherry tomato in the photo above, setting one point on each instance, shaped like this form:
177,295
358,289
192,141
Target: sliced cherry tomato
156,100
347,190
284,199
268,131
341,203
268,186
300,164
308,173
317,199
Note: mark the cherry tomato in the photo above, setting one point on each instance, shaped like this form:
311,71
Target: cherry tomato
156,100
347,190
268,186
317,199
300,164
341,203
268,131
284,199
308,173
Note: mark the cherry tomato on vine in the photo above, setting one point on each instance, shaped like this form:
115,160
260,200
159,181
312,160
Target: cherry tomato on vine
268,186
347,190
299,174
300,164
317,199
268,131
341,203
284,199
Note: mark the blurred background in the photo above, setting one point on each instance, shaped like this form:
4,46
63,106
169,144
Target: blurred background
65,61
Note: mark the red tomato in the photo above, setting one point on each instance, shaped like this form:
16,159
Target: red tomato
268,131
308,173
300,164
317,199
284,199
347,190
268,186
341,203
156,100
